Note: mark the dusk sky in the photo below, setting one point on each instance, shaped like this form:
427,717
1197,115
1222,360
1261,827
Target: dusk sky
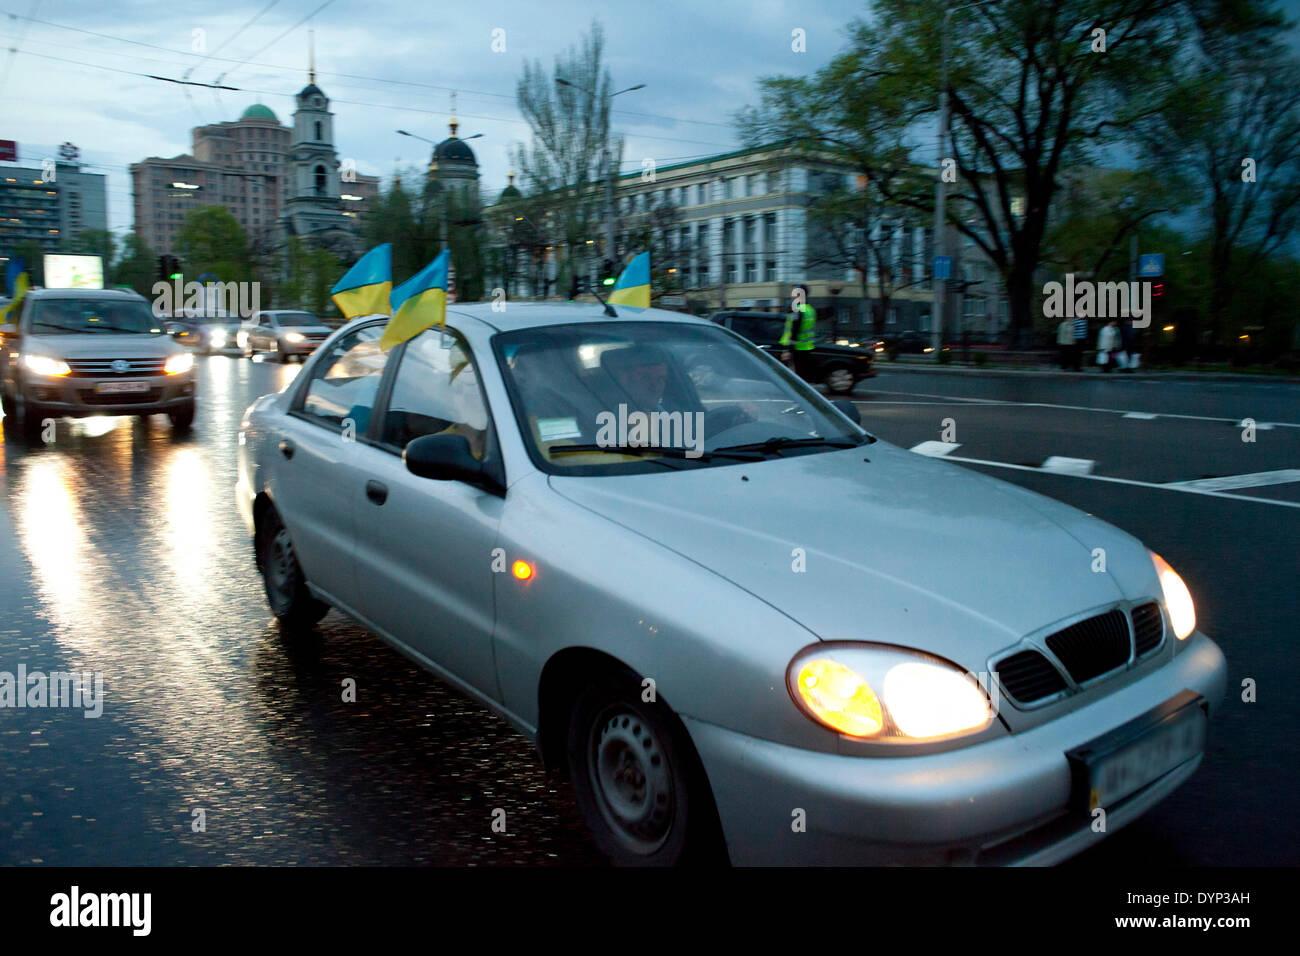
385,66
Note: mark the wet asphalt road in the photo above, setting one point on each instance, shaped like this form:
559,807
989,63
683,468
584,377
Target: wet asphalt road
122,553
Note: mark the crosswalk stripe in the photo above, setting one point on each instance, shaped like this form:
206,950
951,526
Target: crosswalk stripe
1069,466
1229,482
936,449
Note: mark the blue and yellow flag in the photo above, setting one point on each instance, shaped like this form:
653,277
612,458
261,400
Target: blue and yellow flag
418,303
633,285
10,312
364,289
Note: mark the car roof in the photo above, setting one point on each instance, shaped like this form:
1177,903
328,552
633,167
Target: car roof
527,315
43,293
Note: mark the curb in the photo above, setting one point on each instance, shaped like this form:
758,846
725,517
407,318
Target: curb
1143,376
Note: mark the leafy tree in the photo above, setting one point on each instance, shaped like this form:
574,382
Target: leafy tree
138,266
211,241
94,242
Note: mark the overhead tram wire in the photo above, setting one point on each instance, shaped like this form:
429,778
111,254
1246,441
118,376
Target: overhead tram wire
280,37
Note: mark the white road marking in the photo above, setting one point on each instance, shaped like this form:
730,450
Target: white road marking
1254,480
1130,481
1144,416
1082,408
935,449
1069,466
1259,426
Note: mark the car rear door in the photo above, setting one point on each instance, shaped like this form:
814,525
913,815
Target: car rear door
424,547
314,459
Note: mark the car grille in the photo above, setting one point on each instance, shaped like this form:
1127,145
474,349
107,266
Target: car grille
1029,676
1148,628
121,398
1092,647
99,368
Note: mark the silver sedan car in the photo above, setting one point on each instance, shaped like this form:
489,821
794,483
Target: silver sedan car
743,626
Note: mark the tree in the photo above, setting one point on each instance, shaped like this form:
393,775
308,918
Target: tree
1030,91
94,242
570,127
137,267
1229,129
211,241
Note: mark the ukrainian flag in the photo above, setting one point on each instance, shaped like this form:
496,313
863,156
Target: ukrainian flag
364,289
418,303
633,285
10,312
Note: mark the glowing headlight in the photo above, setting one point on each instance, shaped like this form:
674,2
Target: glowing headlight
1178,600
218,337
179,363
44,365
919,698
294,336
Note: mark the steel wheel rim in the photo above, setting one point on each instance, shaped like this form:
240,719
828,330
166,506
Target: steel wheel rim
281,570
840,380
632,780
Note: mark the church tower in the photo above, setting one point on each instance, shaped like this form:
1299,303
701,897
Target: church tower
313,203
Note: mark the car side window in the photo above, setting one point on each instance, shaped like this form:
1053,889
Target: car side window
346,379
436,391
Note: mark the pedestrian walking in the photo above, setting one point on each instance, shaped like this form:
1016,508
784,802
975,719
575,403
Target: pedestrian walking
1065,344
1080,338
1127,346
1108,342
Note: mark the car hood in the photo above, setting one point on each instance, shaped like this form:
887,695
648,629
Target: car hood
100,345
897,548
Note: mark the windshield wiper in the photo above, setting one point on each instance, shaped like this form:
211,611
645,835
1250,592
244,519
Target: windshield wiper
775,445
642,451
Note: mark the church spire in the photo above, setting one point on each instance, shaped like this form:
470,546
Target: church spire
455,125
311,54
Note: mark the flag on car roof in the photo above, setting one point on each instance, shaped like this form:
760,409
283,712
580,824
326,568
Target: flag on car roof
364,289
633,285
418,303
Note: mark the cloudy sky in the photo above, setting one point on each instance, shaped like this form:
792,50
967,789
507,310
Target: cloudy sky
386,65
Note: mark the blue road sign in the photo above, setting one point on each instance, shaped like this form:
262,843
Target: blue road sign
943,267
1151,264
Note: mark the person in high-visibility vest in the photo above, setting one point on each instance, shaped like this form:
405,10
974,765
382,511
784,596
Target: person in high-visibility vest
801,341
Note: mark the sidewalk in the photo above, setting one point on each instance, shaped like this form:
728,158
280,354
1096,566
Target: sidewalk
927,364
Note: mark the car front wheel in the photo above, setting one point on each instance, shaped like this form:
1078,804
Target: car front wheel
182,418
840,381
637,780
286,586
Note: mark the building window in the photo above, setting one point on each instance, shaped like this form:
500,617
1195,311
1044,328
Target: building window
750,272
769,272
320,180
731,270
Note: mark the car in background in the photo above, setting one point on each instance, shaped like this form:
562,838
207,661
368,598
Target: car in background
184,332
283,333
838,367
83,352
910,342
217,330
544,509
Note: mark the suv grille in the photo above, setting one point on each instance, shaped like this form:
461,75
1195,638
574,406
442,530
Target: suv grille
1093,646
98,368
1148,628
1029,676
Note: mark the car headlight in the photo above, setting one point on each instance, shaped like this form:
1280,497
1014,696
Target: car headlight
877,692
179,363
44,365
218,337
294,336
1178,600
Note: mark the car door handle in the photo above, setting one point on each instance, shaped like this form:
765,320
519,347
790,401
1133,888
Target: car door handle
376,491
286,448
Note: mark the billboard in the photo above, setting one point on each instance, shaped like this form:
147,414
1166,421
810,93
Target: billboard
73,272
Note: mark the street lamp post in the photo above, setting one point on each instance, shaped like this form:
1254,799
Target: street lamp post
606,161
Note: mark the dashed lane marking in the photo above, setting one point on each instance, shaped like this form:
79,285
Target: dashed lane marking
1228,482
935,449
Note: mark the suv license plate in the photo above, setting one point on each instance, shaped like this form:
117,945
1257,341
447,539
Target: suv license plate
1118,764
118,388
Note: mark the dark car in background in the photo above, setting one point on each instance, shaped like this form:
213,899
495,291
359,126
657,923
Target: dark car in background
838,367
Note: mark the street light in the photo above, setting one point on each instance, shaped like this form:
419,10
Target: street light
609,171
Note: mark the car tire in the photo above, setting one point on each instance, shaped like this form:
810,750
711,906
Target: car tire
7,405
840,380
182,418
28,420
638,781
282,577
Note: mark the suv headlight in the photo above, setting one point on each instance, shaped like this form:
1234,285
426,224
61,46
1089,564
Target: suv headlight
179,363
294,337
888,694
1178,600
44,365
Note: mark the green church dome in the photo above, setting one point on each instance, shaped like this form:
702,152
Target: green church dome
258,111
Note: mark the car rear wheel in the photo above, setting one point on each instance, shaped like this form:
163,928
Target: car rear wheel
286,586
637,780
840,380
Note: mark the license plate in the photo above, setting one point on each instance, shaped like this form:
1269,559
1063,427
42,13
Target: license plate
118,388
1118,764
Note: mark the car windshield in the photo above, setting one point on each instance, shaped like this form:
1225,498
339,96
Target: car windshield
619,397
296,320
86,315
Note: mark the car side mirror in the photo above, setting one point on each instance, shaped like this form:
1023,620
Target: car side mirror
849,409
443,458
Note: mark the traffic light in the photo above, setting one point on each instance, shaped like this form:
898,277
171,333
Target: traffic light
173,267
607,276
162,267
